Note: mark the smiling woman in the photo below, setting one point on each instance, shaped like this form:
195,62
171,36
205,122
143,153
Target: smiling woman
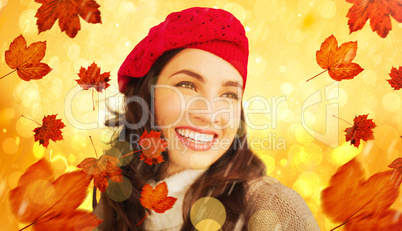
211,108
187,77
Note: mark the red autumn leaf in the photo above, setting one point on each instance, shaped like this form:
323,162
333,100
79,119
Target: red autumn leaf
338,60
92,77
26,60
396,164
361,129
152,147
358,203
157,199
68,12
50,130
378,11
51,204
101,170
396,78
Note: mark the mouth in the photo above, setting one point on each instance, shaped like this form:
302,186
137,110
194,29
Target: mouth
196,139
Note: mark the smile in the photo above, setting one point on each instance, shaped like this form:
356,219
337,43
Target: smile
195,140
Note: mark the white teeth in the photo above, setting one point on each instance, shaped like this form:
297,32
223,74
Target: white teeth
195,135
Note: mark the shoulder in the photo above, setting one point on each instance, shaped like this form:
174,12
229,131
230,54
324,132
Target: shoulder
273,206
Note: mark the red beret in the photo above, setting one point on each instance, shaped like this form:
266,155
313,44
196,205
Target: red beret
213,30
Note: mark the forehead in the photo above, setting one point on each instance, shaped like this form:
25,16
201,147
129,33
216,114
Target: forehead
212,68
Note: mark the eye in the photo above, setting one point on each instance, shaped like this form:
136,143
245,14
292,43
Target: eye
231,95
186,84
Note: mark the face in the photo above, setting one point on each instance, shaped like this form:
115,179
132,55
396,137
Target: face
198,107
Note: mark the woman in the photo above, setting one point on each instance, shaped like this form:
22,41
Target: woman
190,72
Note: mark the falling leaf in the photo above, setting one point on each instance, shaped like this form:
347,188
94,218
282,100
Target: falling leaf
50,130
396,164
338,60
68,12
356,202
152,147
157,199
51,204
396,78
361,129
101,170
92,77
26,60
378,11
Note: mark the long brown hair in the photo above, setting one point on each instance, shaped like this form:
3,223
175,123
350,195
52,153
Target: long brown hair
224,180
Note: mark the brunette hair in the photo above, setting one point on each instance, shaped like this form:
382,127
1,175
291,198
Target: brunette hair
224,180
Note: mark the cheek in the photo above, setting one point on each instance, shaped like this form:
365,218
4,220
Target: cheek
168,107
232,119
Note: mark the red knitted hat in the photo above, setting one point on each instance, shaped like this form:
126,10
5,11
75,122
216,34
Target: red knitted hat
213,30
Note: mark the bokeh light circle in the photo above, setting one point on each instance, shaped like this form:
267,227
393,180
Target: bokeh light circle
10,146
206,209
327,9
369,77
286,88
121,148
391,102
41,192
13,179
267,10
307,183
312,154
119,191
74,52
302,136
237,10
258,30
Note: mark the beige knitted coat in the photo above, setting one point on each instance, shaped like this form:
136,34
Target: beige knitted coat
273,206
270,206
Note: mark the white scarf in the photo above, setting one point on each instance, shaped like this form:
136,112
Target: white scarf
177,184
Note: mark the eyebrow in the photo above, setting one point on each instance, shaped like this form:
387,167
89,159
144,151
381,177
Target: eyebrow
201,79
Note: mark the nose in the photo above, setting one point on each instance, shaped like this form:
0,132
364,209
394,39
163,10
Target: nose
206,111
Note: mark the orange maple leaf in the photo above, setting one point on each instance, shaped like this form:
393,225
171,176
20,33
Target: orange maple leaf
68,12
101,170
26,60
360,203
337,60
92,77
361,129
152,147
50,130
396,78
51,204
378,11
156,199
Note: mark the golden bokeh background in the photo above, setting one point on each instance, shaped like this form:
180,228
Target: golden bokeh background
303,144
